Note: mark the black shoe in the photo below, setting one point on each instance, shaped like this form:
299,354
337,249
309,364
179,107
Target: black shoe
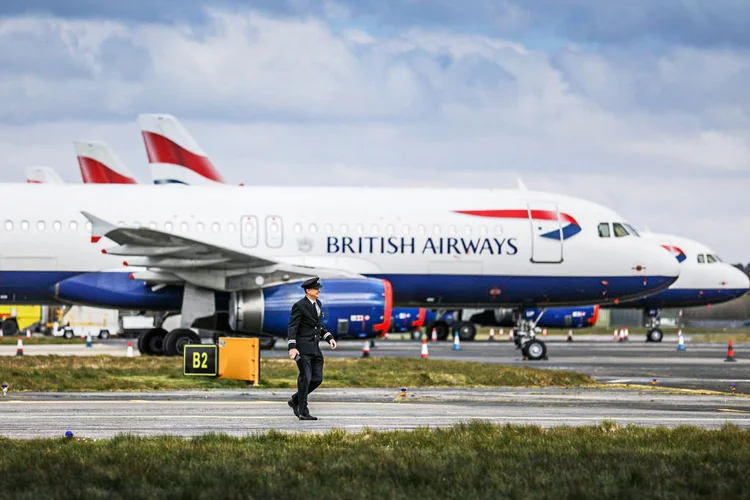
307,417
293,407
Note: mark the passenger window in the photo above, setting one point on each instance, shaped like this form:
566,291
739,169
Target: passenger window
168,227
452,230
73,225
619,230
421,229
498,230
8,225
604,230
375,229
436,229
710,259
298,228
344,229
40,226
701,259
313,228
406,230
231,227
360,229
483,230
24,225
152,225
390,229
57,225
329,228
184,227
215,227
467,230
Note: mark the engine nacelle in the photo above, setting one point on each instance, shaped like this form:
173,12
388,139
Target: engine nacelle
407,319
355,308
554,317
118,291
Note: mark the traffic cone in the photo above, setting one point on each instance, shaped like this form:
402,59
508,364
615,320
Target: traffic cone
28,333
425,354
492,334
544,332
434,335
19,347
730,353
622,336
1,333
570,335
681,341
5,388
456,342
617,335
502,332
626,335
366,349
88,341
511,335
130,349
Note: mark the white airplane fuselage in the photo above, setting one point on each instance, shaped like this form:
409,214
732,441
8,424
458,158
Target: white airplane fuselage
452,248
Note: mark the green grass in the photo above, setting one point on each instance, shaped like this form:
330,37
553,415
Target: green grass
42,340
112,373
474,460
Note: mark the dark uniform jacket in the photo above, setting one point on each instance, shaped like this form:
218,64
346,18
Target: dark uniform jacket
306,328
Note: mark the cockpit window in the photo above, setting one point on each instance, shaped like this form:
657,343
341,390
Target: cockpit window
604,230
619,230
632,231
710,258
701,259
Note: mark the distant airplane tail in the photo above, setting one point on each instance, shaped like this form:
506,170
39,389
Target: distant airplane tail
174,155
42,175
100,165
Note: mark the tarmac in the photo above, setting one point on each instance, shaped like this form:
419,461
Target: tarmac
243,412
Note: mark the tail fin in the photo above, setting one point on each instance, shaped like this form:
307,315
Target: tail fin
174,155
100,165
42,175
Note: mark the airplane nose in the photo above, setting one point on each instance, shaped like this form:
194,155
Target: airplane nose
736,281
658,265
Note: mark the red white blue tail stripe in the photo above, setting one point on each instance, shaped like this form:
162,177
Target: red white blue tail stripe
570,229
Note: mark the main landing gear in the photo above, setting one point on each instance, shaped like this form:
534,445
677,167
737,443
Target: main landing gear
467,330
653,323
525,338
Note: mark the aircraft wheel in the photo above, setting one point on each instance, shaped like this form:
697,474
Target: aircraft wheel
467,331
10,327
441,329
152,342
534,350
175,341
655,335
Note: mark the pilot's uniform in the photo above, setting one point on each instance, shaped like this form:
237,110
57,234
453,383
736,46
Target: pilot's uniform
305,332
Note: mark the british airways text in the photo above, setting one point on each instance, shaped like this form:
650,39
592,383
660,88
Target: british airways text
438,246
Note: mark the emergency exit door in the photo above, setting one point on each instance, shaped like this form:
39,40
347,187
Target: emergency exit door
546,233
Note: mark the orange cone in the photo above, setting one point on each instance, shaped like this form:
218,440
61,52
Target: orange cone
730,353
626,335
366,349
544,332
617,335
425,354
28,333
570,335
130,349
502,332
434,335
19,347
492,334
622,336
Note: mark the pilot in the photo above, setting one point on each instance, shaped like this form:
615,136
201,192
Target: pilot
305,331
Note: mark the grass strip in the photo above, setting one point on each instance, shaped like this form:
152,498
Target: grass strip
113,373
721,337
472,460
42,340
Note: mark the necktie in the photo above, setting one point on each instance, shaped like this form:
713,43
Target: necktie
317,309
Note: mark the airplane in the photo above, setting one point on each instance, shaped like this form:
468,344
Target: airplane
100,165
243,252
42,175
174,155
704,280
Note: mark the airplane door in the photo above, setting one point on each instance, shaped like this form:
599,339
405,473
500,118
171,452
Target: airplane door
249,229
274,231
546,232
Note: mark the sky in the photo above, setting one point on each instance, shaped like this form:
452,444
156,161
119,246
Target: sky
641,106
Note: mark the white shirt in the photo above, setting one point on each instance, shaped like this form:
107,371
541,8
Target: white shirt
315,303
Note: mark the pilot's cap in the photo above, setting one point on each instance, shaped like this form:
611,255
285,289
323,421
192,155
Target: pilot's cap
312,283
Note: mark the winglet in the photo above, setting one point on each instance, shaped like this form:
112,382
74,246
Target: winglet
99,227
521,185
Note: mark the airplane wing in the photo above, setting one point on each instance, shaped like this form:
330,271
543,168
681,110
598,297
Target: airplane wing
172,259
